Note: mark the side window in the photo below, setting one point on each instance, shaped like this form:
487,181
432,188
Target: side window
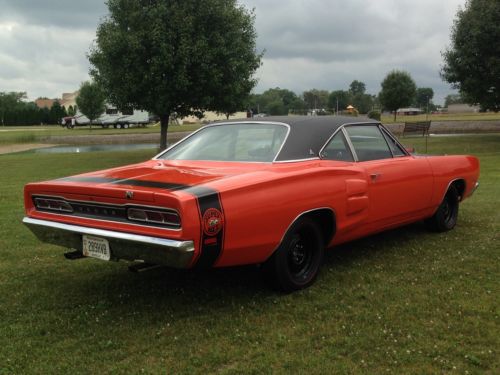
395,148
368,142
337,149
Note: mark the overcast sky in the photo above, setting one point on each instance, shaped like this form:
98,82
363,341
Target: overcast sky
323,44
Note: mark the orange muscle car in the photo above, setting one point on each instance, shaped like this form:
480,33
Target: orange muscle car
272,191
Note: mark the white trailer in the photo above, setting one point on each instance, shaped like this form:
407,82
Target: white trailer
111,118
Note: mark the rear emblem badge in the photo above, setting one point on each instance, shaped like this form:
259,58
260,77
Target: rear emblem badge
129,194
213,221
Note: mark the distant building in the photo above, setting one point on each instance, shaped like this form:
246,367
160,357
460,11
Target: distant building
462,108
409,111
68,99
42,103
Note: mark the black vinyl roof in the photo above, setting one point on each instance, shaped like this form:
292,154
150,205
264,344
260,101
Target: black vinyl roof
308,134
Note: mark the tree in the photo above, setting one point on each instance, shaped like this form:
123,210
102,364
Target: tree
398,90
57,112
423,97
357,88
176,56
340,97
91,100
71,110
275,101
316,99
472,62
8,101
453,99
362,102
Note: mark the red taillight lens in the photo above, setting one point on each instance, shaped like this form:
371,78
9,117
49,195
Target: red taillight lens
51,204
167,218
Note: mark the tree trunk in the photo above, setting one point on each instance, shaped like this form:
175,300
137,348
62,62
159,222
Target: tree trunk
164,129
395,113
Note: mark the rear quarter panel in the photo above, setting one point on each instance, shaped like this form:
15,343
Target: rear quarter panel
258,212
447,169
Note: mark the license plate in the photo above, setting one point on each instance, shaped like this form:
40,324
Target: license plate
96,247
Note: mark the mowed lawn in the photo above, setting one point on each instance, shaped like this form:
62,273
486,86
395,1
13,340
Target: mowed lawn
403,302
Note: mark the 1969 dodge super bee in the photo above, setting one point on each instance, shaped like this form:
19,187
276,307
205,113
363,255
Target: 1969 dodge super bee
276,192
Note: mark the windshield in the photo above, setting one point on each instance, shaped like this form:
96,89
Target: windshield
246,142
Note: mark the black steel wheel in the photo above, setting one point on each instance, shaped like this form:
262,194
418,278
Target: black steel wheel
446,215
296,262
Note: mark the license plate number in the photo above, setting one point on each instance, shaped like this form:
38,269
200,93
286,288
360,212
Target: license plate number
96,247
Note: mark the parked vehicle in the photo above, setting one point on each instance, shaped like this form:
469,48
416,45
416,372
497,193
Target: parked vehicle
111,118
273,191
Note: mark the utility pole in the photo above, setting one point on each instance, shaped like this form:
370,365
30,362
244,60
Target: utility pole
427,112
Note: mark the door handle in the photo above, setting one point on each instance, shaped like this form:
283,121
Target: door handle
375,176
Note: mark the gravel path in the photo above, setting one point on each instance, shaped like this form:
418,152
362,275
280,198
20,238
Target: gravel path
23,147
114,138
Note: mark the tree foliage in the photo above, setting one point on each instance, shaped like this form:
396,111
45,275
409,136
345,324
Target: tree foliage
15,110
357,88
91,100
472,62
276,102
176,56
423,97
453,99
316,99
340,97
9,101
398,90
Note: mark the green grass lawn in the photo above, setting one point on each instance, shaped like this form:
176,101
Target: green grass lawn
402,302
34,134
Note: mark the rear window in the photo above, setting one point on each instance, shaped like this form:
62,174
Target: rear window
231,142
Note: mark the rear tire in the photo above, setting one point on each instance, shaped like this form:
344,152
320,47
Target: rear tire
296,262
446,215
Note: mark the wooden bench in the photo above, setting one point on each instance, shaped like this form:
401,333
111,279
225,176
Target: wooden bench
421,127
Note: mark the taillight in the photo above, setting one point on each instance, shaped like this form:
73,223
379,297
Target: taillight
147,215
51,204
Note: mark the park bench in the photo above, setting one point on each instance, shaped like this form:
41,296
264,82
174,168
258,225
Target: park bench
420,127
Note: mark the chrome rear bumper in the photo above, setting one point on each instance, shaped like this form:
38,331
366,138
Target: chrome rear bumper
178,254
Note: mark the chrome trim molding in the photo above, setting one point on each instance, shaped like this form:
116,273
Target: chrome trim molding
178,254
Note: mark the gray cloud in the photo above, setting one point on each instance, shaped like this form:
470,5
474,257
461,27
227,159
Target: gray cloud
321,44
328,43
66,14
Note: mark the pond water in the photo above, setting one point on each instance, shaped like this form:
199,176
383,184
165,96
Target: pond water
94,148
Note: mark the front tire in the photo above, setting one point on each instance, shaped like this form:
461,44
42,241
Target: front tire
296,262
446,215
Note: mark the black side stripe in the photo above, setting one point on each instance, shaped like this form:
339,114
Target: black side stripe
211,246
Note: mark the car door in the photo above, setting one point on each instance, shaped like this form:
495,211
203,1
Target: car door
399,185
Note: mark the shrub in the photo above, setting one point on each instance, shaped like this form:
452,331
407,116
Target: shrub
375,115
